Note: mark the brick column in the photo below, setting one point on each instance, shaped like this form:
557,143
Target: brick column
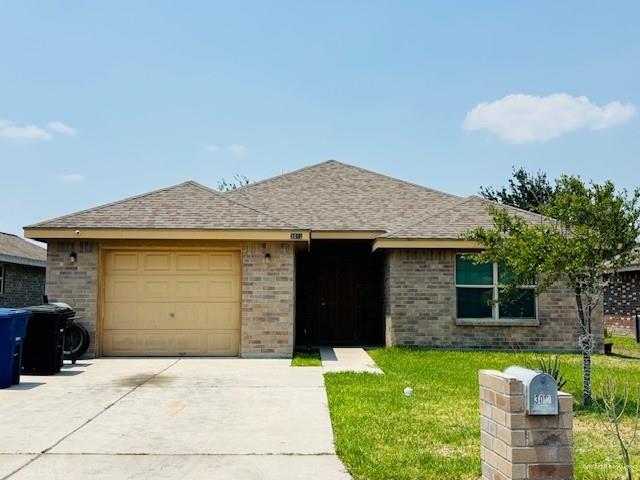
268,300
517,446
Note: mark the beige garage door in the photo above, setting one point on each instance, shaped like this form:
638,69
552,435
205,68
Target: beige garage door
171,303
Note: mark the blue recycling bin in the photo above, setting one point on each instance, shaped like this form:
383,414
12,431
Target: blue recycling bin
13,326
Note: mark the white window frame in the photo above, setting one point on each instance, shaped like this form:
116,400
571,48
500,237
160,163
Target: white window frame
1,278
495,318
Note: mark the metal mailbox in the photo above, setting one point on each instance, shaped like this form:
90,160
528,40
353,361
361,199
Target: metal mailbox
540,391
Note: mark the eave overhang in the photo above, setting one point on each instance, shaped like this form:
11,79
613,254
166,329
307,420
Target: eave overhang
31,262
44,234
383,243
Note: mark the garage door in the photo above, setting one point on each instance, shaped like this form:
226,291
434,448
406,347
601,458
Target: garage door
171,303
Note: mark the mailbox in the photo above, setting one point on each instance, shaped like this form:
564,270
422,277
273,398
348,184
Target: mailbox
540,390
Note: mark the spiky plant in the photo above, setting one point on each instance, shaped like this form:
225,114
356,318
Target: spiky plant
550,365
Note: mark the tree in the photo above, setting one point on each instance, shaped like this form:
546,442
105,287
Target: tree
592,231
238,181
526,190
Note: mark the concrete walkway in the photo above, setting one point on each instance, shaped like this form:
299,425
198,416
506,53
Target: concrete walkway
347,359
169,419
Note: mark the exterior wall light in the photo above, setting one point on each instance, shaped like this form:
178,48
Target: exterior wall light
73,257
267,257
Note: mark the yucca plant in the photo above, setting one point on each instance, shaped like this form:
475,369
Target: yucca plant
550,365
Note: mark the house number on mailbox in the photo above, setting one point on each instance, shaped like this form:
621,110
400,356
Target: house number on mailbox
542,399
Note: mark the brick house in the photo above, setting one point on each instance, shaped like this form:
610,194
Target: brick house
22,271
329,254
622,301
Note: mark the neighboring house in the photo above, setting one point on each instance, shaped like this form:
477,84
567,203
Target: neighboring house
622,301
329,254
22,271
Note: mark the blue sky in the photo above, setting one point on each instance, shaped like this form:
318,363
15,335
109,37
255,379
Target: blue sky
103,100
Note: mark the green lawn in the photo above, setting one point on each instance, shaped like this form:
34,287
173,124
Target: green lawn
626,346
381,434
309,358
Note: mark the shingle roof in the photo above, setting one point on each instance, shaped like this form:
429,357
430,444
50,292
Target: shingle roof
455,221
336,196
14,249
188,205
326,196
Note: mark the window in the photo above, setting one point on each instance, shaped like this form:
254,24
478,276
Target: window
1,278
478,288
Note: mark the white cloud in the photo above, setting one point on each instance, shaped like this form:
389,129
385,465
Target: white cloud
12,131
61,128
521,118
71,177
235,149
238,150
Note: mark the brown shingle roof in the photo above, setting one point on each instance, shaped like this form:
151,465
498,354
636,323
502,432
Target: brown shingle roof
326,196
336,196
455,221
14,249
188,205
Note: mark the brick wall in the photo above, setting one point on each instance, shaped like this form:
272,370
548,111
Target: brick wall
517,446
268,293
621,302
75,283
420,306
23,285
268,300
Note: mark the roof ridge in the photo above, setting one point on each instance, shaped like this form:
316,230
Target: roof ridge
511,207
245,205
117,202
406,182
431,215
308,167
274,177
462,202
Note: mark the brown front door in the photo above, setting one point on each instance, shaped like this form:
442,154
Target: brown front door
339,295
337,298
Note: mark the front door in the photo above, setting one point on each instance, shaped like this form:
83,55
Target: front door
337,296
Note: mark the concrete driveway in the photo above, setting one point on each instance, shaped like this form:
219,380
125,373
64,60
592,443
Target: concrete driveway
169,419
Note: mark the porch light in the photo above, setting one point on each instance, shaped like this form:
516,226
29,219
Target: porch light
267,257
73,256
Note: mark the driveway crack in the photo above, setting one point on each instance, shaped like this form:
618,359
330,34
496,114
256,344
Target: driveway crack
88,421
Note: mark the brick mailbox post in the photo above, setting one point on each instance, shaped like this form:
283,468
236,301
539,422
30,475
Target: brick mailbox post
522,436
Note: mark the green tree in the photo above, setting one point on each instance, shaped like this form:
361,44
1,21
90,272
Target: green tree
593,230
526,190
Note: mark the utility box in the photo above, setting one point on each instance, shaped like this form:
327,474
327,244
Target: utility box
540,391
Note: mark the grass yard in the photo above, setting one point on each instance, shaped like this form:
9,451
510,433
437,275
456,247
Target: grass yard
309,358
435,434
626,346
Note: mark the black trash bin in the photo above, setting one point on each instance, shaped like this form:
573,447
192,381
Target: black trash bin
43,348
